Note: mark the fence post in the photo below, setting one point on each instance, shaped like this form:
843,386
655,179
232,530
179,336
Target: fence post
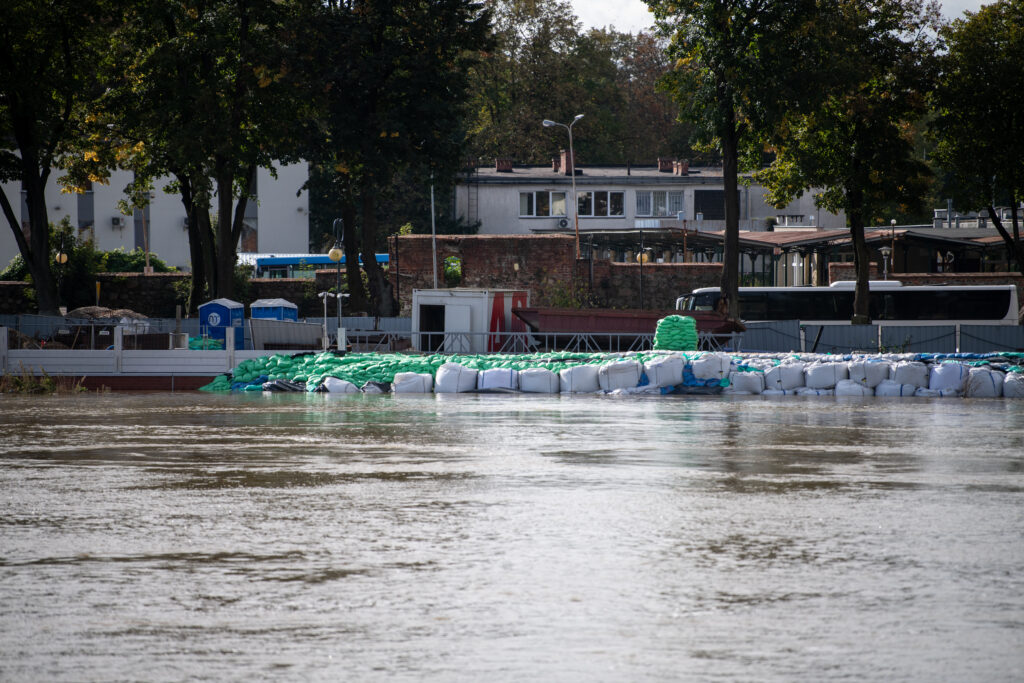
118,348
3,350
229,346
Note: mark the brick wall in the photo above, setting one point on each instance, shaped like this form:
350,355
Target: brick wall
547,267
152,295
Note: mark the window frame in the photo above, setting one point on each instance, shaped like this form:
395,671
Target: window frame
650,210
534,203
608,203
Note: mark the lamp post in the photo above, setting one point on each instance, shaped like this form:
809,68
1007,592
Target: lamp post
885,251
892,242
548,123
336,254
61,259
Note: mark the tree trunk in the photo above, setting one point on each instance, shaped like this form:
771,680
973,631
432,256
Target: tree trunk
861,259
197,289
382,297
357,298
225,257
1013,245
36,249
730,256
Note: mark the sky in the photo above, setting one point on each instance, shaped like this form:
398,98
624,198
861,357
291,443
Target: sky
632,15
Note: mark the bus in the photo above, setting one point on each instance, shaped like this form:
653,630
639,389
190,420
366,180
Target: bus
299,265
892,303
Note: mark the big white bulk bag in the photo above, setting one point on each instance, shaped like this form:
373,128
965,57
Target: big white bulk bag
984,383
412,383
948,377
340,386
811,391
746,382
452,378
925,392
1013,385
868,372
891,388
824,375
910,372
581,379
538,381
664,371
497,378
779,392
849,387
787,377
622,374
711,366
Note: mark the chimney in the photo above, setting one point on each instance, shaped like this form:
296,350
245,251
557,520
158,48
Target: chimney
684,167
556,164
664,165
503,165
568,164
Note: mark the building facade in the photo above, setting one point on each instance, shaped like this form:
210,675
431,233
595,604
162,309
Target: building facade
276,221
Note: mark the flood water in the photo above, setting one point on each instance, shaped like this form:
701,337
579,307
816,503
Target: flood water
505,538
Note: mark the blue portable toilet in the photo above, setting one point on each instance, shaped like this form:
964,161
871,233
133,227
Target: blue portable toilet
273,309
217,315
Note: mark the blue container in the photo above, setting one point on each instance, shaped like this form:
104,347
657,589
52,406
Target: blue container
218,315
273,309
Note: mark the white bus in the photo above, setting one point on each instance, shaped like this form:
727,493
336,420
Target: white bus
892,303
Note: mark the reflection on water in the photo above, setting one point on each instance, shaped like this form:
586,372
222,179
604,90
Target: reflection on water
173,536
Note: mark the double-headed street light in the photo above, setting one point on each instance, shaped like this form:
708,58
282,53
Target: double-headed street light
548,123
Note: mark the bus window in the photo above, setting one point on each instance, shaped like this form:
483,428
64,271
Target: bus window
704,301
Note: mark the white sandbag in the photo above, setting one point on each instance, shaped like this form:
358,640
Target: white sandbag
891,388
622,374
452,378
824,375
811,391
412,383
925,392
948,376
1013,385
339,386
870,373
849,387
779,392
538,381
497,378
984,383
711,366
664,371
786,377
746,382
581,379
910,372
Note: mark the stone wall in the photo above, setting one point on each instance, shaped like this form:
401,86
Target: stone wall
545,265
154,295
13,299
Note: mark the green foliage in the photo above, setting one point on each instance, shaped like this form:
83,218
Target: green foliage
134,261
565,294
453,271
978,126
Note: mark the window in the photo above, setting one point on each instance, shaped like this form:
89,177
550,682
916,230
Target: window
601,203
711,203
542,203
658,202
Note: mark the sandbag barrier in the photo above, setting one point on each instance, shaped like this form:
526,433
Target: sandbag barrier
654,372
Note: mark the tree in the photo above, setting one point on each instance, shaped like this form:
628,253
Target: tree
390,98
979,125
49,52
738,65
858,142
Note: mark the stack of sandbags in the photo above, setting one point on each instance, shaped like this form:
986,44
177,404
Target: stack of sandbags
984,383
413,383
946,380
622,374
498,379
784,378
824,375
676,333
538,381
664,371
869,373
910,372
711,366
581,379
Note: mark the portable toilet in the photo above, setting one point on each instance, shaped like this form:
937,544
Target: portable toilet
464,320
273,309
217,315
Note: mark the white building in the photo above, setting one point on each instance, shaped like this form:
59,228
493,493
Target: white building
537,199
277,221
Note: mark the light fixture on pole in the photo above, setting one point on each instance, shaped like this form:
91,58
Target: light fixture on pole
892,242
61,259
336,254
571,167
885,251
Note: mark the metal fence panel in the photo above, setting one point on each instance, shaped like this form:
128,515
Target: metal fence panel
985,338
841,338
919,338
778,336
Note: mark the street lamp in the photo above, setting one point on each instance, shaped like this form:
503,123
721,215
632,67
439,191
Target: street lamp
61,259
548,123
892,242
336,254
885,251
